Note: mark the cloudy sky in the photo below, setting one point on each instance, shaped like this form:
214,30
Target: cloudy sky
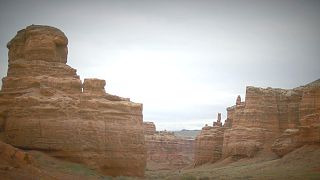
185,60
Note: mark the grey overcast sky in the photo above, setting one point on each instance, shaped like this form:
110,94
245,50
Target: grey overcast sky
184,60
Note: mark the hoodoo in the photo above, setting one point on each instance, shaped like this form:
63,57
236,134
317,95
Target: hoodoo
45,106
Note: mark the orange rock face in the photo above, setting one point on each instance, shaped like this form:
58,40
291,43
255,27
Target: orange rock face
256,124
307,131
208,147
44,106
12,157
165,151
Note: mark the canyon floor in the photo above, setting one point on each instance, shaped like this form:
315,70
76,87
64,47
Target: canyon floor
303,163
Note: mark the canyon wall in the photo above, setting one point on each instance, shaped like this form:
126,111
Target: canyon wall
307,131
45,106
165,151
269,120
208,146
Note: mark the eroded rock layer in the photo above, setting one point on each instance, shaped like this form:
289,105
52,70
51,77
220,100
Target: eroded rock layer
44,106
308,129
255,124
165,151
208,146
149,128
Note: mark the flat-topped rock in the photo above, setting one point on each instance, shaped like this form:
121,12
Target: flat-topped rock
38,42
94,86
270,120
44,106
149,128
308,129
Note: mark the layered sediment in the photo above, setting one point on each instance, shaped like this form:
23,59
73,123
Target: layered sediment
307,130
208,146
45,106
269,120
165,151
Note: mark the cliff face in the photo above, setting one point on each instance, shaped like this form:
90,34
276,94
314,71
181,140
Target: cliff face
165,151
256,124
208,146
44,106
307,131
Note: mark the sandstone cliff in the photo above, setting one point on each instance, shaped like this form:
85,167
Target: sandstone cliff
45,106
255,124
208,146
307,131
165,151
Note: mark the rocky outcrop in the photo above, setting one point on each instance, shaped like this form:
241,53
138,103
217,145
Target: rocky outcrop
165,151
264,115
208,146
17,164
12,157
149,128
307,131
44,106
255,124
218,122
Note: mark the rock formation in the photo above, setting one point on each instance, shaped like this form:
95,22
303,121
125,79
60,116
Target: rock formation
238,102
12,157
307,130
218,122
255,125
165,151
208,146
17,164
149,128
44,106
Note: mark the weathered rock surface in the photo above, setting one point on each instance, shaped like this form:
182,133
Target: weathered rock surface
149,128
42,107
165,151
255,125
12,157
17,164
208,146
308,129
